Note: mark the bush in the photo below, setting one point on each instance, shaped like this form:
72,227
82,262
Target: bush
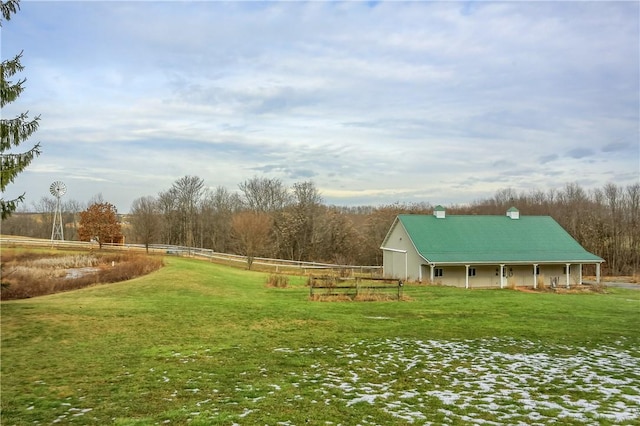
277,280
542,285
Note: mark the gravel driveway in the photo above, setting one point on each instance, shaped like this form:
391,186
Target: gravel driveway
631,286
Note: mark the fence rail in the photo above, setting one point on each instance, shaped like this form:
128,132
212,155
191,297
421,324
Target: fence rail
276,265
329,287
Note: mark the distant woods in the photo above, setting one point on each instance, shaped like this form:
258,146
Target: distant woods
265,218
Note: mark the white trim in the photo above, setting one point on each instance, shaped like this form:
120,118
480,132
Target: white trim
580,276
466,283
513,262
392,249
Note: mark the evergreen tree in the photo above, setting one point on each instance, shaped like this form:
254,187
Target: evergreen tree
16,130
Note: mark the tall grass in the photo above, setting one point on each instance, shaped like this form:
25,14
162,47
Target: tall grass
27,275
277,280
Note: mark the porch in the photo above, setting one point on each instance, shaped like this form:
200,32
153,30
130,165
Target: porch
505,275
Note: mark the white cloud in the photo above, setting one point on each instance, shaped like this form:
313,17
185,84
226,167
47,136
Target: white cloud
390,102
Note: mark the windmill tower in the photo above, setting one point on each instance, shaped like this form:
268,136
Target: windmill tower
58,189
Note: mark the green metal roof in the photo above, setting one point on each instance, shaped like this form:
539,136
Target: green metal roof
493,239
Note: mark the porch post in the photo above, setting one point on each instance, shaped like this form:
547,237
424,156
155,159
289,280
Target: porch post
580,276
432,277
406,266
598,273
535,276
501,275
568,273
466,282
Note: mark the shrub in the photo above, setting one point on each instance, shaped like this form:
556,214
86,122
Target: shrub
277,280
374,296
542,285
325,281
345,273
330,298
128,268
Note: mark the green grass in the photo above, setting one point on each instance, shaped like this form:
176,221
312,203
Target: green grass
205,344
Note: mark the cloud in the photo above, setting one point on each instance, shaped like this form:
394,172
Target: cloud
373,102
547,158
579,153
618,147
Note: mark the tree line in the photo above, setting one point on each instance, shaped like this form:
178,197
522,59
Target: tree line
265,218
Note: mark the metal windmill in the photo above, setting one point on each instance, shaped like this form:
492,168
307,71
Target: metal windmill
58,189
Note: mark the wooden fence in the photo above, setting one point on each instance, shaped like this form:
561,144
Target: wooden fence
359,288
259,263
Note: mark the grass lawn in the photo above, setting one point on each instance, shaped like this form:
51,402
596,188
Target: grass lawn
204,344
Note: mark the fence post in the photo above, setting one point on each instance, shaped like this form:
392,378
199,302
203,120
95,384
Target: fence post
399,289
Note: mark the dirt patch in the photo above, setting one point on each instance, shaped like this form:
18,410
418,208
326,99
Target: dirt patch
573,289
632,279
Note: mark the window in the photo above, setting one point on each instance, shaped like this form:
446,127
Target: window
472,272
437,272
505,273
537,270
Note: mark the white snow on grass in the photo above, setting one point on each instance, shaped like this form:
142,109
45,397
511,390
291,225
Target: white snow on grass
492,381
489,381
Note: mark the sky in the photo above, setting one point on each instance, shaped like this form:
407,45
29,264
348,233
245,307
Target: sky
374,102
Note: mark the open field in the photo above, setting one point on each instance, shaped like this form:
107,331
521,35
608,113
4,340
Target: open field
199,343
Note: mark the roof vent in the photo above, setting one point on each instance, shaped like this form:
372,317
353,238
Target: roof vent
513,213
439,212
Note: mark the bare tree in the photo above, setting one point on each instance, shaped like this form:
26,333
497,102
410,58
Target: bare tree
96,199
188,192
251,233
22,223
297,225
264,194
633,209
45,207
145,219
217,209
170,223
70,217
612,195
574,204
339,240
